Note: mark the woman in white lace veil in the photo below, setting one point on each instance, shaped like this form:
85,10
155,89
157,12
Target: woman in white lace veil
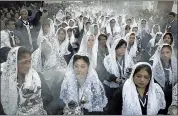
83,84
131,45
131,95
165,70
46,31
47,60
20,98
156,28
167,38
89,45
62,45
143,26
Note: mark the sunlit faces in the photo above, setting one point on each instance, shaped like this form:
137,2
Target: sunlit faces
24,63
131,39
90,41
142,78
167,39
112,23
81,68
155,29
61,34
95,30
166,53
121,50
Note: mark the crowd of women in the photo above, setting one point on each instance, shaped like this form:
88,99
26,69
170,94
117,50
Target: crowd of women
88,61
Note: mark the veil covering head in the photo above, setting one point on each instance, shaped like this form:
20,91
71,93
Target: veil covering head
158,70
84,48
92,88
10,95
133,49
110,62
63,47
131,103
50,34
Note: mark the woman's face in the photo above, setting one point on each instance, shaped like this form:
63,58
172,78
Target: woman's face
46,29
166,54
62,35
121,50
155,29
81,68
167,39
24,64
141,78
131,39
69,32
103,40
90,42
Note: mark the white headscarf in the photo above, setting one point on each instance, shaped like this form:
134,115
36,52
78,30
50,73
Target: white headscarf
133,48
50,34
158,71
161,41
152,41
84,48
110,62
9,93
146,28
92,88
54,59
152,31
64,45
72,38
131,104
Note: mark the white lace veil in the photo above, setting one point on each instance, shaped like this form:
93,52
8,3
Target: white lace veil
133,49
152,32
64,46
110,60
161,41
9,93
50,34
152,41
158,71
72,38
92,88
84,48
131,104
146,28
55,58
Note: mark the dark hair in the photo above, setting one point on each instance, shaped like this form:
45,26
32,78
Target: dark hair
9,20
127,27
69,30
102,35
132,34
85,58
172,13
112,20
4,53
21,53
129,20
88,22
141,67
170,34
167,46
121,42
